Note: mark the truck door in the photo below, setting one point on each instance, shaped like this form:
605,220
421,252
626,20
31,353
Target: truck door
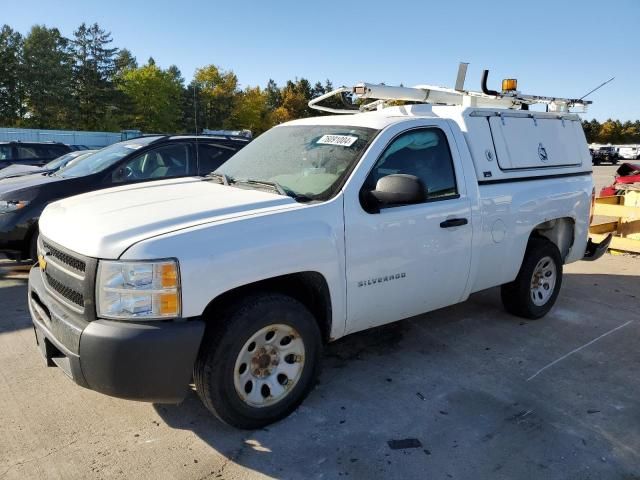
409,259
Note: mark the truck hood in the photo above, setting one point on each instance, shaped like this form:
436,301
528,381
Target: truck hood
105,223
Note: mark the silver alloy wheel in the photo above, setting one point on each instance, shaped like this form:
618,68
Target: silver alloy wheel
269,365
543,281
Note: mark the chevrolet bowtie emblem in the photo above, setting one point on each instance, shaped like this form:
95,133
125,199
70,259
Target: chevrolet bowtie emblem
42,263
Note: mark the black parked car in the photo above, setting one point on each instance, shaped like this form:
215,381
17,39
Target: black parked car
605,154
22,199
30,153
52,166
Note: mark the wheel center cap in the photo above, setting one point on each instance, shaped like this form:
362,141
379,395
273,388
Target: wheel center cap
263,361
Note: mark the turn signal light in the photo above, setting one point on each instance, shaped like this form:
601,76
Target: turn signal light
169,275
168,304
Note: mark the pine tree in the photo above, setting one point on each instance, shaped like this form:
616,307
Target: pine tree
274,97
94,70
46,75
124,60
10,77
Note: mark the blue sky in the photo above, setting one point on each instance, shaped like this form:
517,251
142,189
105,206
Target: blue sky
561,48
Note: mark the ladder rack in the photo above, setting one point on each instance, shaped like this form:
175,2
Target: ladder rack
382,94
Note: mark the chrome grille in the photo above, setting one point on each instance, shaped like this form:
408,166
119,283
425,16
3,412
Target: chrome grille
64,258
64,274
67,292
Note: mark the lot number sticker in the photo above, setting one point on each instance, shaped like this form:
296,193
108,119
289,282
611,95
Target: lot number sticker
342,140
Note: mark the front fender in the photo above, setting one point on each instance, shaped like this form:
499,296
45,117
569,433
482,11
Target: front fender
219,257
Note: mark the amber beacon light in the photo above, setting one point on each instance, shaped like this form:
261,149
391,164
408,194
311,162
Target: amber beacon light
509,85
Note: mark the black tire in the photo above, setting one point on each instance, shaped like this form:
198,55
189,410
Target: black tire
225,338
33,246
516,296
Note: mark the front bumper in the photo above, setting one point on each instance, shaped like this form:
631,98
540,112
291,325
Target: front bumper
148,361
595,250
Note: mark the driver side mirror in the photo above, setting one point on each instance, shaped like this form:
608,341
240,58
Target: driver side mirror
399,189
118,175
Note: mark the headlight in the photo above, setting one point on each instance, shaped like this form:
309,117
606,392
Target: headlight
138,290
7,206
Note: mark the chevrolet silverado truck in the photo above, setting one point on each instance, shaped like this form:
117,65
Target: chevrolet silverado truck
319,228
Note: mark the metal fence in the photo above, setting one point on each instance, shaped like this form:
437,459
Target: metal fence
69,137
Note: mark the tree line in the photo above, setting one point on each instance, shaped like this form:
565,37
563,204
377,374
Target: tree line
84,83
612,131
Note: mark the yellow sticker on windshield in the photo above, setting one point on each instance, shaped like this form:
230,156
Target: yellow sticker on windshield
342,140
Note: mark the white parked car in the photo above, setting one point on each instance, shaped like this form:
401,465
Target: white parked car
629,152
319,228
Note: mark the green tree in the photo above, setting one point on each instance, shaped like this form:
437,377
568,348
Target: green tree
294,101
121,108
629,133
216,91
10,75
274,96
46,76
156,96
250,111
124,60
188,107
94,70
609,132
591,130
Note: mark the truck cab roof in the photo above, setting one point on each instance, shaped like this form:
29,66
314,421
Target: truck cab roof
505,144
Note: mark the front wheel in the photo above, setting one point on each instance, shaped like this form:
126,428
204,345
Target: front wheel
535,289
259,362
33,246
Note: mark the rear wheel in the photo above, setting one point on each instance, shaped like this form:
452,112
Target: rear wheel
535,289
260,362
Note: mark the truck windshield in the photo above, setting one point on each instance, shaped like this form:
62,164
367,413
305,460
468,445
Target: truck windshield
310,161
104,158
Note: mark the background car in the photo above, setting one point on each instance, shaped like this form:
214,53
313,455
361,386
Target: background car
629,152
30,153
22,199
607,153
52,166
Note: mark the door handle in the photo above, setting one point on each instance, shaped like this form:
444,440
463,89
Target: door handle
454,222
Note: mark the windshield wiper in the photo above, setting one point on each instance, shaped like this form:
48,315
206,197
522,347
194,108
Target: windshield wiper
275,186
262,183
224,178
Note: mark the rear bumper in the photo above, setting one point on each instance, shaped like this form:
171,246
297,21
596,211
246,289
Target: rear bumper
147,361
595,250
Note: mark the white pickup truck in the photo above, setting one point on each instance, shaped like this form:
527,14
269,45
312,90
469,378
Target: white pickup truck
319,228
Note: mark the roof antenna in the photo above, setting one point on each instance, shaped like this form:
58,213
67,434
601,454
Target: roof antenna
195,109
597,88
195,123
